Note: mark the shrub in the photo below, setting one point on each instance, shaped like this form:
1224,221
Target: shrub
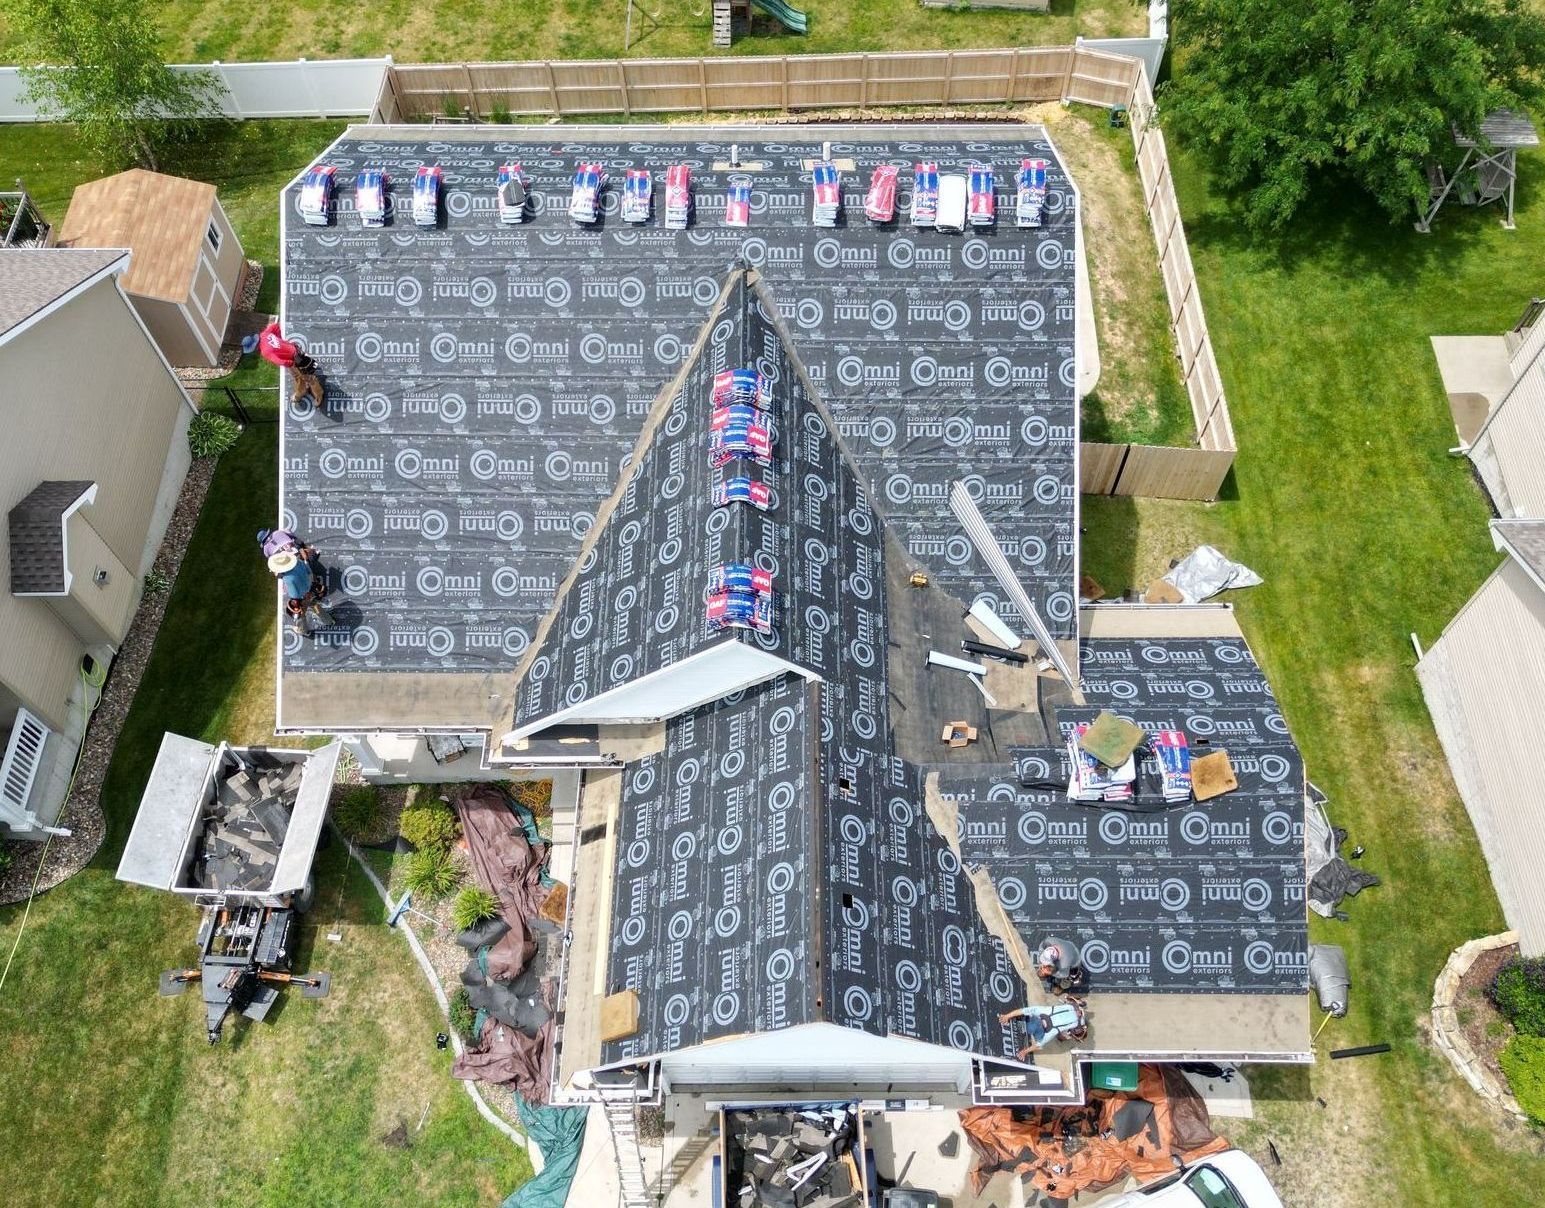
357,810
211,434
432,873
1523,1061
462,1015
1518,991
500,115
5,857
429,825
156,581
472,905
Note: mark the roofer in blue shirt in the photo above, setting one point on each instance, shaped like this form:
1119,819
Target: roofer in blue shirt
304,581
1043,1025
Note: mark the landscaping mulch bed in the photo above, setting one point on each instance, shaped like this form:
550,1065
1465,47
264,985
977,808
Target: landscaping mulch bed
61,858
1484,1027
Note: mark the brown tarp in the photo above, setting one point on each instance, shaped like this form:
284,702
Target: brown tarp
1099,1143
506,1057
506,864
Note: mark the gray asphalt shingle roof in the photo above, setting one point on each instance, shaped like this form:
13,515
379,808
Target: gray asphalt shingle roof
31,278
1526,541
37,536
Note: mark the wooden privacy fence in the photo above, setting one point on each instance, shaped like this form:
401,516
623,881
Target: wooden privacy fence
734,84
790,83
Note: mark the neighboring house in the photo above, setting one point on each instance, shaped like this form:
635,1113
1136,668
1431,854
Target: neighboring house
1484,680
784,872
187,265
93,457
1496,389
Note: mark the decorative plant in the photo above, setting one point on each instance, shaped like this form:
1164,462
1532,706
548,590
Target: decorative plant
430,826
1518,991
462,1014
432,873
472,905
357,810
211,434
1523,1061
156,581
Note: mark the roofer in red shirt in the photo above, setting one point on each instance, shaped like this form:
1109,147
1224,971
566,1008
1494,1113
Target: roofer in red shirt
276,350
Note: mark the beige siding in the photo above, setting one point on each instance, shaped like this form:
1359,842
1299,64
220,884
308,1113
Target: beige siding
1509,451
229,261
86,397
171,331
105,608
1484,680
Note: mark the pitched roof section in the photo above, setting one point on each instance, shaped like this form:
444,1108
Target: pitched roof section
715,885
1525,540
33,278
161,218
635,606
38,561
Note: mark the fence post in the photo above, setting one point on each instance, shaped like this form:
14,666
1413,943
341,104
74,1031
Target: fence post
1067,76
949,76
236,405
225,82
702,84
552,89
472,106
863,85
622,84
1016,72
784,62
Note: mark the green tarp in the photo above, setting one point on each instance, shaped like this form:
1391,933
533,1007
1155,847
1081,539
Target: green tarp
559,1132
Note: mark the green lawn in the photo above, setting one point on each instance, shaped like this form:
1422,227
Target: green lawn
1346,500
114,1097
487,30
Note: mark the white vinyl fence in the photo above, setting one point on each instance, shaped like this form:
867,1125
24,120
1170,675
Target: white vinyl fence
325,88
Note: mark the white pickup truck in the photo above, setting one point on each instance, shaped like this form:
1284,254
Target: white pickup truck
1231,1179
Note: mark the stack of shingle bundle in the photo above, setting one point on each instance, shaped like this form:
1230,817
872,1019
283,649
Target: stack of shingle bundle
795,1158
244,827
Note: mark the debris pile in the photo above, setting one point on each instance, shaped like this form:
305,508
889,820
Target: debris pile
794,1158
244,827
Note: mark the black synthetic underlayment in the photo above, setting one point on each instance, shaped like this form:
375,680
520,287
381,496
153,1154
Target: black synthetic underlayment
716,936
485,384
636,606
1203,897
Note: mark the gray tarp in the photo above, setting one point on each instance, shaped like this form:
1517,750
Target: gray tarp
1205,572
1329,977
1331,878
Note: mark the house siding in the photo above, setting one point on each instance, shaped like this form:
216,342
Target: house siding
1483,680
87,397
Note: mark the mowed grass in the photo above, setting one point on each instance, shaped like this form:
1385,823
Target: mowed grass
483,30
1345,498
112,1095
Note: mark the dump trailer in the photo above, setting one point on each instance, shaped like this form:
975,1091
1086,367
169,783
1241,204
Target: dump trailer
234,830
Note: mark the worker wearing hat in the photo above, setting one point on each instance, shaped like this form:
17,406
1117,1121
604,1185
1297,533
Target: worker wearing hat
1060,966
304,590
285,354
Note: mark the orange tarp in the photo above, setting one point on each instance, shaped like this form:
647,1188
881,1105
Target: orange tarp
1097,1144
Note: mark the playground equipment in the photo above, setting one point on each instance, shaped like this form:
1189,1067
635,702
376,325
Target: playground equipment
732,16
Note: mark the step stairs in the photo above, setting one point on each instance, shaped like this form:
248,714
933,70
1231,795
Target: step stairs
722,35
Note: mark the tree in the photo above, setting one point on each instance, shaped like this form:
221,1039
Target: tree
97,63
1284,96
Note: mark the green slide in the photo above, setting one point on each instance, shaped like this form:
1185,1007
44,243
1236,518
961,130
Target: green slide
795,20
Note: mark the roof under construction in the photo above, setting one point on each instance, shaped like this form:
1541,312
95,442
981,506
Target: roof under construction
487,383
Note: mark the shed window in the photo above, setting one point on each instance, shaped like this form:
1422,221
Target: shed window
213,235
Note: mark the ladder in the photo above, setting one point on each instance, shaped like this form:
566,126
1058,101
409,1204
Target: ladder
722,34
622,1120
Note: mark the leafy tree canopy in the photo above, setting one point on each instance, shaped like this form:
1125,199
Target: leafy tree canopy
97,63
1282,95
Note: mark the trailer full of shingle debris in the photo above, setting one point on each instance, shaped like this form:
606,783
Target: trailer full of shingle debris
235,829
794,1157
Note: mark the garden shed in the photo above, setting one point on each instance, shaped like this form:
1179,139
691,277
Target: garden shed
185,265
